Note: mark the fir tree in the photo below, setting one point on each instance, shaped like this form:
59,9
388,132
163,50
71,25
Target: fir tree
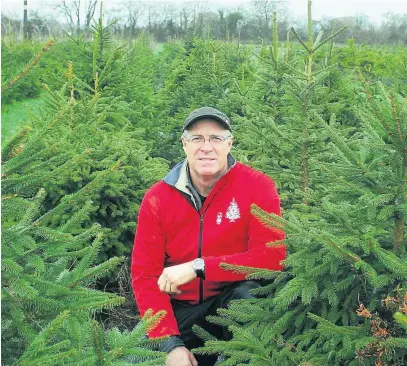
278,135
87,129
205,74
81,149
47,295
342,297
233,211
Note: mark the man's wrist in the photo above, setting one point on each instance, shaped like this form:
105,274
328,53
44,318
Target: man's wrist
198,265
172,342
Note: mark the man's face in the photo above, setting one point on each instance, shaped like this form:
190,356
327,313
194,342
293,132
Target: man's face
207,159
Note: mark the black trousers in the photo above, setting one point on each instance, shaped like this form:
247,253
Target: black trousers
187,315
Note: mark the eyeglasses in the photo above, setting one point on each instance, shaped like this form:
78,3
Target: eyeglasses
213,139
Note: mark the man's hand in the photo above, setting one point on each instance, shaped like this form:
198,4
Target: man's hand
175,276
180,356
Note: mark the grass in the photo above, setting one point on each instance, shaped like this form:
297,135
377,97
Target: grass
17,114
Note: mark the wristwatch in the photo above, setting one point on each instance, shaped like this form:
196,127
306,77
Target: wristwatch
198,265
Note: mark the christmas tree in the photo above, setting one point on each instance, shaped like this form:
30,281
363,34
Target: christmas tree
71,184
277,134
48,294
233,211
342,298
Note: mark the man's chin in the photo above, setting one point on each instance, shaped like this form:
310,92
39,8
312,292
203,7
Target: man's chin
208,172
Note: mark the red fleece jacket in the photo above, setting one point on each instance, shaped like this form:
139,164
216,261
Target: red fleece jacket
169,229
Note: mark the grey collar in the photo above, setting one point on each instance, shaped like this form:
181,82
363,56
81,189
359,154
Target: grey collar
180,179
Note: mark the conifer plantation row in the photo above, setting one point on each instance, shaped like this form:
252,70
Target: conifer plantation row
328,123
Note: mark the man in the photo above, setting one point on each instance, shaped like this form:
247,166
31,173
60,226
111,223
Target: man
195,219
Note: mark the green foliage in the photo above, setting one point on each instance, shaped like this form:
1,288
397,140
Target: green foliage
288,89
47,294
205,74
385,63
346,249
334,145
344,219
14,57
58,244
49,68
16,115
38,283
86,136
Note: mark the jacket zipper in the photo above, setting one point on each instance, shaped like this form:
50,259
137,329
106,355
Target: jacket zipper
201,290
201,221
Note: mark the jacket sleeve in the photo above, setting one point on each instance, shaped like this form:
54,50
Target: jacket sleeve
258,254
147,265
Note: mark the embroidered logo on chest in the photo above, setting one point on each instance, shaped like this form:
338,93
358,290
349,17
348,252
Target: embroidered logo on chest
233,212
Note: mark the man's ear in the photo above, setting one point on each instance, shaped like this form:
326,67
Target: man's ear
230,142
184,142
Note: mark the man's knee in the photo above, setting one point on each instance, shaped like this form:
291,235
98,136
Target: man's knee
239,290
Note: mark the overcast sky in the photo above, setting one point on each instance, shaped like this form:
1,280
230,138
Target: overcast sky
374,9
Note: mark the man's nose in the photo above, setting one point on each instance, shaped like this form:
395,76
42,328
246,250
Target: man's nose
207,146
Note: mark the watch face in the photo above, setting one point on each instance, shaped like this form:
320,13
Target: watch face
199,264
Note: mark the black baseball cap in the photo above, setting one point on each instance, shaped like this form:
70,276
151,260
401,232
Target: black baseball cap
207,112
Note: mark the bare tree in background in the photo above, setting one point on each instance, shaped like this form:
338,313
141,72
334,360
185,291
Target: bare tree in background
394,27
90,12
185,19
66,9
152,18
169,24
134,13
263,13
71,10
200,9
